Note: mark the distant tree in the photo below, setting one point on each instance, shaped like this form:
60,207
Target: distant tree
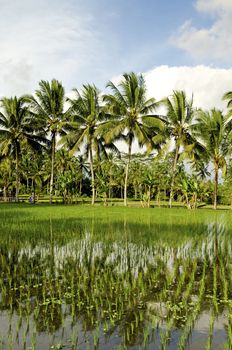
7,175
179,120
212,130
16,132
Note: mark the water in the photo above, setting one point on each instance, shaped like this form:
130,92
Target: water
123,280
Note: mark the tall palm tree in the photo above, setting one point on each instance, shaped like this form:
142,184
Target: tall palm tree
16,132
87,115
179,121
212,130
48,106
130,115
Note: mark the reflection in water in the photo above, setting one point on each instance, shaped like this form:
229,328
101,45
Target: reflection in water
93,291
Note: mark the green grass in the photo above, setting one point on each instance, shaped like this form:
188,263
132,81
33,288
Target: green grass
24,221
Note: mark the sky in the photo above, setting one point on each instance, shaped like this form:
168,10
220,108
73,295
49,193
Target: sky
181,44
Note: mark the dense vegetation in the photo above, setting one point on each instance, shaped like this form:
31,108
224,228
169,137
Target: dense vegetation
54,145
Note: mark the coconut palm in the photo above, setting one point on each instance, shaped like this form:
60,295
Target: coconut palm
7,178
179,121
87,115
48,106
212,131
16,132
130,115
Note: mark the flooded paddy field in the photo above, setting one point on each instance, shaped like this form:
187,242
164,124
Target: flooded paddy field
79,277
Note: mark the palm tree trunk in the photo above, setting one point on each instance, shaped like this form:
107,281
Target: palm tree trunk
109,192
173,174
80,187
187,200
92,175
4,194
135,192
27,185
215,185
149,196
126,174
158,196
17,176
33,190
52,167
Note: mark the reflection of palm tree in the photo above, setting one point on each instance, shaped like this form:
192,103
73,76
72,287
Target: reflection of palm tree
129,111
16,131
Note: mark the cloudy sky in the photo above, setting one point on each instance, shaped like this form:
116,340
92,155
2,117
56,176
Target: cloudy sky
181,44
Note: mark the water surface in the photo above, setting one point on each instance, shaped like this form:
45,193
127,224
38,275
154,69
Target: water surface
115,278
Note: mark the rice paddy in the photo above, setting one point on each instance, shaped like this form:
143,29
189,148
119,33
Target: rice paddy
78,277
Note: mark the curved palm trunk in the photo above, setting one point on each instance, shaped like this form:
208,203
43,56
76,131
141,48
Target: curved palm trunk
173,174
17,175
33,190
52,167
92,176
126,174
215,186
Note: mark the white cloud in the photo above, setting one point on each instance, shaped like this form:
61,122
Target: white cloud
43,41
213,6
207,85
213,43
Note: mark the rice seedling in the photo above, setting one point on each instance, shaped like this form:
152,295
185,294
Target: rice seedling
87,275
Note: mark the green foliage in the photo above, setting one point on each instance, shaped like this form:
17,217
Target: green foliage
68,146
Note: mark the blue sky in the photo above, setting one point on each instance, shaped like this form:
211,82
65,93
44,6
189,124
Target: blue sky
80,41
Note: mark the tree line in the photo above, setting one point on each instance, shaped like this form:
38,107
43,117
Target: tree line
51,143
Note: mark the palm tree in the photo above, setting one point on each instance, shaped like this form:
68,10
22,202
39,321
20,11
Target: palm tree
87,115
48,106
16,132
130,115
6,179
212,130
179,121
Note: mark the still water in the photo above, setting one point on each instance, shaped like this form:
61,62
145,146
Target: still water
161,281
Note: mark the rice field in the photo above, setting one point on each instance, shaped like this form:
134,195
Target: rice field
78,277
